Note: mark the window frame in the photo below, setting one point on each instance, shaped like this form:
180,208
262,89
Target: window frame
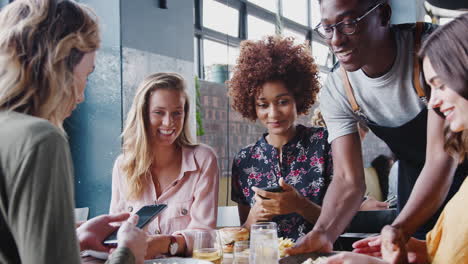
246,8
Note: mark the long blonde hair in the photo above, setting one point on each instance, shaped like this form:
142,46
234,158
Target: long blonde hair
137,150
41,42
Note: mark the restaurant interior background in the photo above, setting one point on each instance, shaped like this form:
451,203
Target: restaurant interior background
200,40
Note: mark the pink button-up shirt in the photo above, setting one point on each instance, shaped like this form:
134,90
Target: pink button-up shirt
192,199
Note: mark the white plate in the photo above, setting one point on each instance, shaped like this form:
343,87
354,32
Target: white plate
298,259
177,261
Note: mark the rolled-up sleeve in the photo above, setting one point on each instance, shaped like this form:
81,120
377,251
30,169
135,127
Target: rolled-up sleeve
337,113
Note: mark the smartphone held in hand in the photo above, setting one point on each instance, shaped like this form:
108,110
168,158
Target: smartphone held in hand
145,215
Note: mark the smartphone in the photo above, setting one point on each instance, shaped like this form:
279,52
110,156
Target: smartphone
275,189
145,215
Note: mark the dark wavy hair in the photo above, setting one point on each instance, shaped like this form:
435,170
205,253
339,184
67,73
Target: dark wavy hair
273,59
447,49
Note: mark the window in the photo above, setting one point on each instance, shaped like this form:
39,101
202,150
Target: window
220,17
296,10
321,54
299,38
258,28
269,5
314,13
217,53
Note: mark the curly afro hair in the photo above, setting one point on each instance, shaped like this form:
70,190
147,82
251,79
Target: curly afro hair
273,59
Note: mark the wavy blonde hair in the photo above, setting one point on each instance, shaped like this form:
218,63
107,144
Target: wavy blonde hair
137,151
41,42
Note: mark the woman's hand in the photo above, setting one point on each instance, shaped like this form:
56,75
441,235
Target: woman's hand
393,245
353,258
371,204
281,203
368,246
416,249
133,238
259,212
159,245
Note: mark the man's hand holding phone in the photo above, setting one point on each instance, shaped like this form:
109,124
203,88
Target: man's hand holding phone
133,238
91,233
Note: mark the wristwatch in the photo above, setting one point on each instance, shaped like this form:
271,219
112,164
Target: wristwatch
173,246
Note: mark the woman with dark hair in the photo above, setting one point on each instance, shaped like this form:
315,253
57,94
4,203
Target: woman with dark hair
274,81
47,52
445,64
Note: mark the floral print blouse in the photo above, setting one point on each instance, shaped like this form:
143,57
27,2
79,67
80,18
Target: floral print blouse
306,165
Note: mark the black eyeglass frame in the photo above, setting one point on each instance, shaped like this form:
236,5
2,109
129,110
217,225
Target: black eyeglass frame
341,24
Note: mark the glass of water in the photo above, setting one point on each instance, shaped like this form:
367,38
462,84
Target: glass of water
264,243
241,252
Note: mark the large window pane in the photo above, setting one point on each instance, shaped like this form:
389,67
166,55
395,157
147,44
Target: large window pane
299,38
267,4
220,17
315,13
215,53
320,53
258,28
296,10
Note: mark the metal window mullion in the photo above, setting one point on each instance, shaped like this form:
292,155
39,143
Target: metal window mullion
243,25
219,37
236,4
198,5
259,12
201,60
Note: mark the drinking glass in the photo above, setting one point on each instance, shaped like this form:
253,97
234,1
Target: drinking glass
264,243
241,252
207,246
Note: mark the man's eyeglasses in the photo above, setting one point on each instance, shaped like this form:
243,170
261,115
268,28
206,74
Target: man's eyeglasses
346,27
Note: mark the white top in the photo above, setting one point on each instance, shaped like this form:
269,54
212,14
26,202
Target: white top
389,100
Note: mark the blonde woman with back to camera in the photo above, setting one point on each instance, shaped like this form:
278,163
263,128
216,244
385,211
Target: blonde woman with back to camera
47,51
161,164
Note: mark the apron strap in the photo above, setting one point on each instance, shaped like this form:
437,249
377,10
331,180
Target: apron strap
416,72
349,90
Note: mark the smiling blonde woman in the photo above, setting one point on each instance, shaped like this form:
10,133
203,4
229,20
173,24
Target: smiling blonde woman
161,164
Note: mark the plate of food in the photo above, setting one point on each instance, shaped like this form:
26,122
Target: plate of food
176,261
307,258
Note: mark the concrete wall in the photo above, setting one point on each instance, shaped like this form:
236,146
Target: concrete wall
157,40
95,126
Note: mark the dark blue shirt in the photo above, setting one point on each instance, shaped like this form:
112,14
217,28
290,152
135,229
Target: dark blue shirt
306,165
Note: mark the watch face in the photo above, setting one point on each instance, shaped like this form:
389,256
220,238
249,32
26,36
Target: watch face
173,248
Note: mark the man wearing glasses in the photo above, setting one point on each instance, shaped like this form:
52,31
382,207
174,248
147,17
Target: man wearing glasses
374,84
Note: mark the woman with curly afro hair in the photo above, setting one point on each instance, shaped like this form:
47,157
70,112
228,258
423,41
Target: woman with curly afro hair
274,81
